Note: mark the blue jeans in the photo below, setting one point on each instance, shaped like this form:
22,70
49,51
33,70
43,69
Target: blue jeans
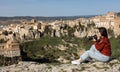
94,54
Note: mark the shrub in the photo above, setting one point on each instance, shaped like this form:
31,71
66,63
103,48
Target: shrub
115,46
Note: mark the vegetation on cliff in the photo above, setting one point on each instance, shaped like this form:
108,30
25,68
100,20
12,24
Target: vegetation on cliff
47,48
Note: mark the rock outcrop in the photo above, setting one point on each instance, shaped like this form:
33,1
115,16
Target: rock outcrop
112,66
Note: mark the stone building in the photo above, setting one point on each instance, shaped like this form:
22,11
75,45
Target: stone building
109,21
117,27
9,52
105,20
11,49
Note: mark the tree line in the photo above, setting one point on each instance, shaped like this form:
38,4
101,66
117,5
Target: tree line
45,18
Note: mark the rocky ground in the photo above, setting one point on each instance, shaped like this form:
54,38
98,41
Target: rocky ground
112,66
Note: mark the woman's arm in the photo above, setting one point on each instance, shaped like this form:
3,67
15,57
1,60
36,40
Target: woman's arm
99,46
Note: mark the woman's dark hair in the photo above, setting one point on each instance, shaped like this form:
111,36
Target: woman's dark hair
103,31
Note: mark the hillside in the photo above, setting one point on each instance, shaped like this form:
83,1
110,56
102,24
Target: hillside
48,49
17,19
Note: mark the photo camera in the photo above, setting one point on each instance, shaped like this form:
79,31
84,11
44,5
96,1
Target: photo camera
92,37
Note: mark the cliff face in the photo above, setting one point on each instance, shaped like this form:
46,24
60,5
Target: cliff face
112,66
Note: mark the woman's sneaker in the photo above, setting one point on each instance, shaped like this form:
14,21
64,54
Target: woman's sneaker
75,62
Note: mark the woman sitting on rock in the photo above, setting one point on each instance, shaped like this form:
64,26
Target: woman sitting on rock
100,50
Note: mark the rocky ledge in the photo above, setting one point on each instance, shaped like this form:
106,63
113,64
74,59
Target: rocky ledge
112,66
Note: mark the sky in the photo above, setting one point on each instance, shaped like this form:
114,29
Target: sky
57,7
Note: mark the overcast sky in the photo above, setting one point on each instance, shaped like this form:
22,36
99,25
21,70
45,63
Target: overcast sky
57,7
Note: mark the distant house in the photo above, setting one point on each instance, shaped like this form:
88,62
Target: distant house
10,52
105,20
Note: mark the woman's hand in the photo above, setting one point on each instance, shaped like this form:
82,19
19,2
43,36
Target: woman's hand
94,39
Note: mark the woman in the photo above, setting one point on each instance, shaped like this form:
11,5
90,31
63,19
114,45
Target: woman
100,50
